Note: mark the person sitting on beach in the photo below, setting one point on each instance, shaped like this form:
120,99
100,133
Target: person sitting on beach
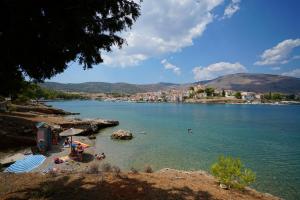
100,157
80,150
67,142
58,161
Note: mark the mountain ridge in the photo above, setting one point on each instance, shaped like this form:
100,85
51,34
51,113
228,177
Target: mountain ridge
251,82
260,83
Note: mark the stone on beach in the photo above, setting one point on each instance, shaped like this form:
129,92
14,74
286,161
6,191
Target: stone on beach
122,135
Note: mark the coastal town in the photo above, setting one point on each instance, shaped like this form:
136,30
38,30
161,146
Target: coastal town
199,94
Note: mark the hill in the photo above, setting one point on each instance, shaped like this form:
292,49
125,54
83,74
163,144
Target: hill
262,83
256,83
102,87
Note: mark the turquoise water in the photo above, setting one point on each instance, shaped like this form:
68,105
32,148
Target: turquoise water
265,137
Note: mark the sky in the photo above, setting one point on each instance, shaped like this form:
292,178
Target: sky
183,41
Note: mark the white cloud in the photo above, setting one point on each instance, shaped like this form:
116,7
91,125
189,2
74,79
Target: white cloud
232,8
168,66
280,54
217,69
164,27
294,73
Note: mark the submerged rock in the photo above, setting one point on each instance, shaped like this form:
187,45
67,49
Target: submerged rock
122,135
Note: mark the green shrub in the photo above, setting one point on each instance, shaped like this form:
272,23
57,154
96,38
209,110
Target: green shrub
231,172
134,170
22,99
148,169
238,95
116,171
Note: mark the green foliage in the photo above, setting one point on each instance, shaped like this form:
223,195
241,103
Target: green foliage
290,97
56,33
223,93
191,94
148,169
199,91
34,91
117,95
238,95
209,91
276,96
231,172
269,96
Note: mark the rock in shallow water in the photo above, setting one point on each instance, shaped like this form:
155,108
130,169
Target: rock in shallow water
122,135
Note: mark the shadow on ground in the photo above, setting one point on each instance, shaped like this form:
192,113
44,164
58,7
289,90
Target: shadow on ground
64,187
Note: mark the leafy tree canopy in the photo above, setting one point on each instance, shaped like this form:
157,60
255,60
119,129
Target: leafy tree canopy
209,91
39,38
238,95
33,91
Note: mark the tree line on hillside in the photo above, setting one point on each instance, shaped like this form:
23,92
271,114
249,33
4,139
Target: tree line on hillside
31,91
280,97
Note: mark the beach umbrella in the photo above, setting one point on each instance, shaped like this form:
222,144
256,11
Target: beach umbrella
71,132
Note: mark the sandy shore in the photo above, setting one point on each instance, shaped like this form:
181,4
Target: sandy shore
59,151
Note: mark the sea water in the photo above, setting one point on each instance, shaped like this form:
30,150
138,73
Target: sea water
265,137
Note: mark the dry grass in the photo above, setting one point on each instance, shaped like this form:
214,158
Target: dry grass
52,173
143,186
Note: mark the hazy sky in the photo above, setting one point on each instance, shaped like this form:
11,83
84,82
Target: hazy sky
189,40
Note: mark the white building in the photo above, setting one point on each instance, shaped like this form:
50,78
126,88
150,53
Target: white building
248,96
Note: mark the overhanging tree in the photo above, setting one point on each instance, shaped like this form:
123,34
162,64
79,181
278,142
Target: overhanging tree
39,38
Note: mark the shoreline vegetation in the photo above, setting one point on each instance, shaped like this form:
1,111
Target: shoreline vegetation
168,182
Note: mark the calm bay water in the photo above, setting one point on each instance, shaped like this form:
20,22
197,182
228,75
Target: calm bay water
265,137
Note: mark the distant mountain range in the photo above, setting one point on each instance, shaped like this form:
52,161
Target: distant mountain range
240,82
256,83
102,87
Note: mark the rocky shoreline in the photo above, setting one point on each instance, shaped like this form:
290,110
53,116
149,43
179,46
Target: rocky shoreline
17,126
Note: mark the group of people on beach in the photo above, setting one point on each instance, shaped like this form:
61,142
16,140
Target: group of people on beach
79,149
